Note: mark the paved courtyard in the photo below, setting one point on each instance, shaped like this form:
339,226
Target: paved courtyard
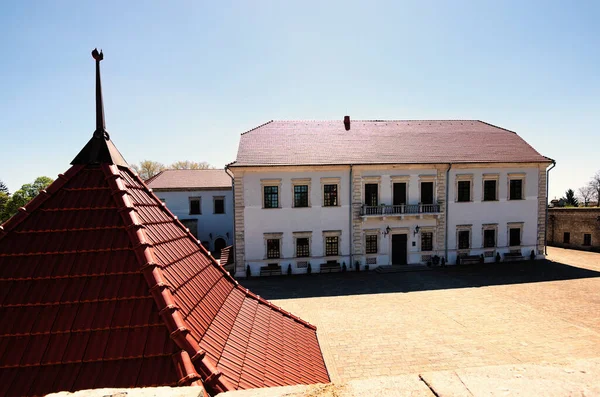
372,324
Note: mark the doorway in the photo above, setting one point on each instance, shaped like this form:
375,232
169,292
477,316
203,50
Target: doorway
399,249
219,245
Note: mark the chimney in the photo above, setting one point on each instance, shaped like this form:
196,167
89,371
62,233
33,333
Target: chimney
347,122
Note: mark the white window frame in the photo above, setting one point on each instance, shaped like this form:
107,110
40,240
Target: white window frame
427,229
195,198
460,228
331,181
514,225
301,182
372,232
298,235
489,177
463,178
270,182
428,178
273,236
513,177
332,233
215,198
489,226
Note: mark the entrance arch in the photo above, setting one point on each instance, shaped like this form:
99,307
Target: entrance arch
220,243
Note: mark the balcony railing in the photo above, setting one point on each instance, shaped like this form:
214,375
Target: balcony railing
404,209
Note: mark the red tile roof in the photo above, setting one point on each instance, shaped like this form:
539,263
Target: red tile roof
101,286
382,142
190,180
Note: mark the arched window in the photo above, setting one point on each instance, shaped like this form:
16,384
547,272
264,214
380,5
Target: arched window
219,245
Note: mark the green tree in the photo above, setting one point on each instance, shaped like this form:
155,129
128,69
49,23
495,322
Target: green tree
146,169
23,196
571,200
4,197
3,188
191,165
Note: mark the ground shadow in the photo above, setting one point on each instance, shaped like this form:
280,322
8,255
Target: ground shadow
356,283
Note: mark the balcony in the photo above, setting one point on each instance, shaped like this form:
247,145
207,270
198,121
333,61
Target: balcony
399,210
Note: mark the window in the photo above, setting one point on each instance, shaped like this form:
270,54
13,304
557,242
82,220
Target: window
271,196
587,239
464,237
219,204
371,243
489,190
489,238
330,195
514,237
399,193
195,206
300,196
427,241
426,192
331,246
273,248
567,238
371,190
515,189
302,247
464,191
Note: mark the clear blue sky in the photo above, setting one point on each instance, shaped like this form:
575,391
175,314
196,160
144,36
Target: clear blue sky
182,82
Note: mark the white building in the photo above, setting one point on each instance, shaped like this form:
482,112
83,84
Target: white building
385,193
202,200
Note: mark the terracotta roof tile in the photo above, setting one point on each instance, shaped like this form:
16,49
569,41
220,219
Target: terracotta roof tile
190,180
382,142
85,271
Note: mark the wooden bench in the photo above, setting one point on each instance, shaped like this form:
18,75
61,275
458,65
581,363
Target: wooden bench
330,267
270,270
513,256
470,260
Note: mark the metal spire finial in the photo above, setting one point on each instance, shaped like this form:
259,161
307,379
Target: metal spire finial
100,124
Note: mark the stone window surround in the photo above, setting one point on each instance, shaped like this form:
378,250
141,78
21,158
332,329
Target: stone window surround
462,178
489,226
273,236
427,229
371,180
331,181
195,198
298,235
219,198
301,182
460,228
428,178
372,232
511,176
270,182
400,179
332,233
489,177
514,225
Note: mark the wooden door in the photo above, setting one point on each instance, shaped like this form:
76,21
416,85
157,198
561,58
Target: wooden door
399,249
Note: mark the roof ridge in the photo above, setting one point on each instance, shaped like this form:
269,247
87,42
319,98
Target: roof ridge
159,288
257,127
35,202
366,120
495,126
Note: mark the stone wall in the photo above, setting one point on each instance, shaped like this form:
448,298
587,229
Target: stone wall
577,222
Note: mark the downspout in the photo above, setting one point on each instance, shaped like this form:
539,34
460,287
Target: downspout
446,215
547,191
233,206
350,206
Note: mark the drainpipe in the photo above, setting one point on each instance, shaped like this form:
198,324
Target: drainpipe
233,205
447,207
350,240
546,228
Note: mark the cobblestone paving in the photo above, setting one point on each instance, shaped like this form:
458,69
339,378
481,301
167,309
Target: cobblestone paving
392,324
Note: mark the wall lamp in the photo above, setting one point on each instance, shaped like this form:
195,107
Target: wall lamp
417,228
387,230
227,234
210,235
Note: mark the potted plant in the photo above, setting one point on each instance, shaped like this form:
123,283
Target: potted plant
498,257
532,255
308,269
289,270
248,272
357,264
343,266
